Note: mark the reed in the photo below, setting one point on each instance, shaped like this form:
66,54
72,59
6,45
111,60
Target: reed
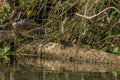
93,23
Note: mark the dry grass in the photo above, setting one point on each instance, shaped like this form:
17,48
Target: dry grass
94,23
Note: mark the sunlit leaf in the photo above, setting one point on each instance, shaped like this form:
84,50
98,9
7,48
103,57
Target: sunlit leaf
6,49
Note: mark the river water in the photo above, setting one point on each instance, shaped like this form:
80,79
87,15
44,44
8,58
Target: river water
53,75
60,71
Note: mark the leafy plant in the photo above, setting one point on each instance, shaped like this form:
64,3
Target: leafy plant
116,50
4,53
4,13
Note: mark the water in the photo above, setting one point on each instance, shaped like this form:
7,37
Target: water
51,75
60,71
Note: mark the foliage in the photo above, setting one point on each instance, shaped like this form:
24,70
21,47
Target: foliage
100,32
4,53
116,50
4,13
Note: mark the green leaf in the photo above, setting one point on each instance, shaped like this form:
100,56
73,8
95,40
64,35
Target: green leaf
86,46
116,49
6,49
1,51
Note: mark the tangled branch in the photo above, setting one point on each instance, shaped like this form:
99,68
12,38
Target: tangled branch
91,17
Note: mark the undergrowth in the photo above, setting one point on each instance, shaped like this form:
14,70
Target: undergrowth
72,19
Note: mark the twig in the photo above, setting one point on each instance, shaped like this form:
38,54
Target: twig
91,17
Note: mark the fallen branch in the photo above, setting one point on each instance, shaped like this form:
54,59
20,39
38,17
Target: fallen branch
91,17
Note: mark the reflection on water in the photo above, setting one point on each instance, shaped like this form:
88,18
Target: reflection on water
58,70
36,74
42,75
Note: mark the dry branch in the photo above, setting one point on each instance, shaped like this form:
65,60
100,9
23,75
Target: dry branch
91,17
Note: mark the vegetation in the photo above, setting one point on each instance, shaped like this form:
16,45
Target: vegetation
92,23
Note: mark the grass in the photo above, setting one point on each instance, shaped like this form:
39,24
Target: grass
94,23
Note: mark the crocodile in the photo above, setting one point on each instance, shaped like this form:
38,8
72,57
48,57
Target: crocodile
52,50
74,53
51,56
